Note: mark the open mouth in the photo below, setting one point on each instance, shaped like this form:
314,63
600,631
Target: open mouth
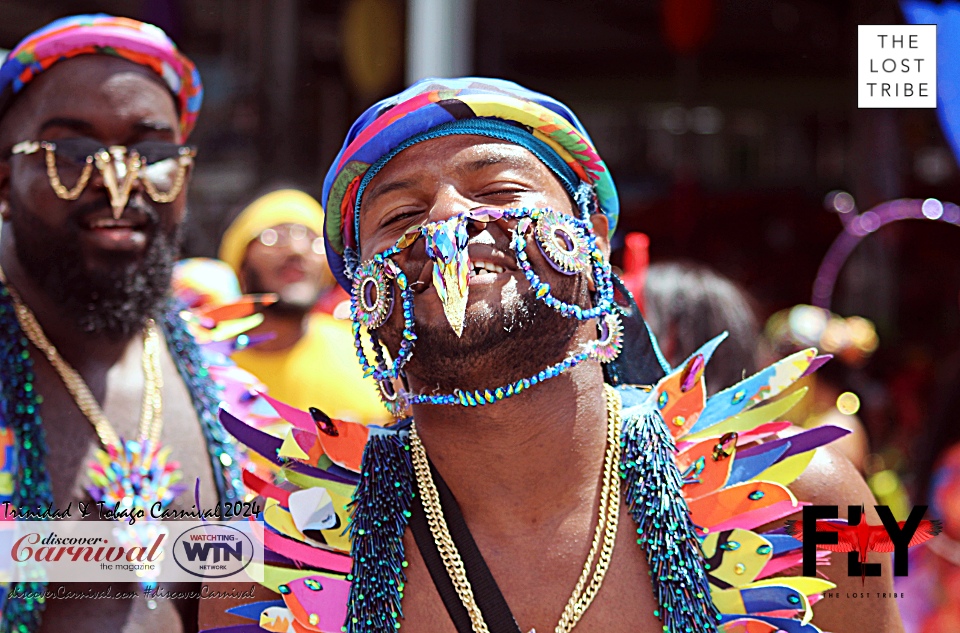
292,273
479,268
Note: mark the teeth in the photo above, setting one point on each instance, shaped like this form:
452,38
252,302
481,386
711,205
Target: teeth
488,267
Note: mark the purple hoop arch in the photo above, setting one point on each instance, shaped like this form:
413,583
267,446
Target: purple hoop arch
857,226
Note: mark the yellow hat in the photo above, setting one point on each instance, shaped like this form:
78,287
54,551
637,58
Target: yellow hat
286,206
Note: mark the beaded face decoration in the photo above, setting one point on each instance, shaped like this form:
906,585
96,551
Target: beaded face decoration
374,293
566,242
563,243
446,244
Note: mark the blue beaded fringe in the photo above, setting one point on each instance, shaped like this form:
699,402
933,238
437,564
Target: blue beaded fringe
205,395
666,532
381,511
20,409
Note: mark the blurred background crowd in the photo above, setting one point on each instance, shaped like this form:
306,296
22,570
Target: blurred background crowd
729,128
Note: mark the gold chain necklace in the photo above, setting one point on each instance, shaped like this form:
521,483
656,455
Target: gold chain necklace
603,540
151,409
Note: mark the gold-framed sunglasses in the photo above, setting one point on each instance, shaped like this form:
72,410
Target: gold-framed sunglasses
161,167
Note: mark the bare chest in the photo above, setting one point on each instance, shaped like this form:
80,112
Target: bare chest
72,445
537,574
72,442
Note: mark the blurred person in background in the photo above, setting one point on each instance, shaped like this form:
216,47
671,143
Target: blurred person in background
275,246
95,112
687,303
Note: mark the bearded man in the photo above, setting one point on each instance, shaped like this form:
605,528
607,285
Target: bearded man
539,432
94,114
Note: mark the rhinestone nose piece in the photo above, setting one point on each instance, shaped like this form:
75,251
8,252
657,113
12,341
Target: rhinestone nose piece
446,245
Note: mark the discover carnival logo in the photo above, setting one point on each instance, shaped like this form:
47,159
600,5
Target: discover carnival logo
52,548
115,551
213,550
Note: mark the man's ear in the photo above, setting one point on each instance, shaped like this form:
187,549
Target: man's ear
601,228
5,190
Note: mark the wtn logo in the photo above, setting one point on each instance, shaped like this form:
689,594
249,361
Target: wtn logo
214,551
221,551
820,527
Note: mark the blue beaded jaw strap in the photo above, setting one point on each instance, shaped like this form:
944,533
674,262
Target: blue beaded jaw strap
566,242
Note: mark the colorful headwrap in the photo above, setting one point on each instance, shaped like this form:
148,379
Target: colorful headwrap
103,34
430,103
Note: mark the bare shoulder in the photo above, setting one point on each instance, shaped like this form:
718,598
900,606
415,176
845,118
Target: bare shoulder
854,605
831,479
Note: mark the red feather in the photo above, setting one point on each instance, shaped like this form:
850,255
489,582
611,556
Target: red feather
926,531
863,538
844,541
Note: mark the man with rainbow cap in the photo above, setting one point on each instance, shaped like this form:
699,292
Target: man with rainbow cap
97,370
547,469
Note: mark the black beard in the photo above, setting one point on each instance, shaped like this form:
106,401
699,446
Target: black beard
499,345
114,303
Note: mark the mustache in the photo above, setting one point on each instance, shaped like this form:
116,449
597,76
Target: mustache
136,207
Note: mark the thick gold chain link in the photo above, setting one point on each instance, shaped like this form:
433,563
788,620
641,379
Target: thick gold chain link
441,533
151,408
601,549
171,194
58,187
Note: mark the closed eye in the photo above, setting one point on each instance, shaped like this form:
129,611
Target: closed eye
503,191
400,217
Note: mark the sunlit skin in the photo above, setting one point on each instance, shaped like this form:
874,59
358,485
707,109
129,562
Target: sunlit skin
293,271
117,103
526,471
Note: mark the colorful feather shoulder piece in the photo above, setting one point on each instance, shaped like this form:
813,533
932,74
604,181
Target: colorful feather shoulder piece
736,457
313,475
222,329
333,483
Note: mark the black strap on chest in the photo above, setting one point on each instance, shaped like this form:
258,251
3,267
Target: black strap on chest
493,606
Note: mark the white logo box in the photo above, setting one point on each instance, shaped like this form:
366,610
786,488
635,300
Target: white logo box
897,66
